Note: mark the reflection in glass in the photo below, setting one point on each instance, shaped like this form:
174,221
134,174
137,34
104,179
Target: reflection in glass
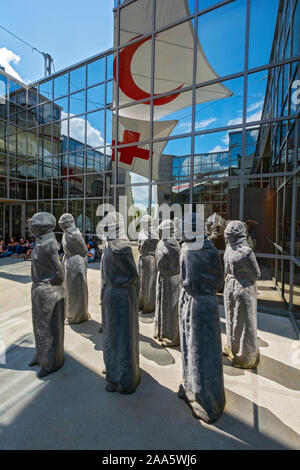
96,97
96,72
262,28
77,103
45,91
60,86
222,32
77,79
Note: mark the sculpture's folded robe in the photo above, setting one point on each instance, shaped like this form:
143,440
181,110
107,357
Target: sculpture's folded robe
166,328
47,295
200,332
75,267
147,274
119,298
240,299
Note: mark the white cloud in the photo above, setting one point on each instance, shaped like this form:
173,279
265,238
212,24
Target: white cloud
255,116
77,131
6,58
218,148
198,125
205,123
257,105
233,122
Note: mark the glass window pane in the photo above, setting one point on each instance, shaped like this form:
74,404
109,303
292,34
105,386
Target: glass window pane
222,38
168,11
262,28
96,72
109,65
60,108
96,97
95,129
45,91
77,103
61,86
220,104
77,79
129,26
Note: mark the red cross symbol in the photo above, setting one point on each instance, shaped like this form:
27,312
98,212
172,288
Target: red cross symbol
127,154
71,172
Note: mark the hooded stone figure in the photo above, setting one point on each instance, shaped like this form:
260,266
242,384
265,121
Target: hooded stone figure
119,300
147,242
75,268
200,332
240,298
166,326
47,295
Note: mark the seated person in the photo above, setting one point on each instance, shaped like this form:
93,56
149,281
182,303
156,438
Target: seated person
12,244
91,252
28,247
5,250
20,247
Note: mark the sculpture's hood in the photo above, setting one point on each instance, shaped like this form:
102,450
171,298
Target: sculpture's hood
166,229
147,229
235,232
66,221
42,223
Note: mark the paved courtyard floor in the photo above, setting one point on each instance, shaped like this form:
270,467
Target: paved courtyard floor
71,409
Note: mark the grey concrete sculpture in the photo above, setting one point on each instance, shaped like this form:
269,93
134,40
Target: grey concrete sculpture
75,268
47,295
240,298
119,299
166,326
147,242
200,332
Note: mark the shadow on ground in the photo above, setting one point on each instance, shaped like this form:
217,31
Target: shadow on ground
70,409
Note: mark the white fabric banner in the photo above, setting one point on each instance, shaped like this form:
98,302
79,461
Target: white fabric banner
174,54
136,158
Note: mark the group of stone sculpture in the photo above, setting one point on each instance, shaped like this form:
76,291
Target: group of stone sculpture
177,279
59,290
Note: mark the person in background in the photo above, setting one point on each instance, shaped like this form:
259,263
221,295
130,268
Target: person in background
12,244
2,246
91,252
27,249
5,251
20,248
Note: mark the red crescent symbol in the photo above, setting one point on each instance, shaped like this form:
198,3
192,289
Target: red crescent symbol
126,82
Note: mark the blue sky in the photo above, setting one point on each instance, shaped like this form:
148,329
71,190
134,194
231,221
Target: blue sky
67,29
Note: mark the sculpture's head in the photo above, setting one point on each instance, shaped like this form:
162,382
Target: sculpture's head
166,229
66,221
146,222
112,227
42,223
235,232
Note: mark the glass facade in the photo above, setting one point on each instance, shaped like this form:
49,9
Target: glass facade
195,103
